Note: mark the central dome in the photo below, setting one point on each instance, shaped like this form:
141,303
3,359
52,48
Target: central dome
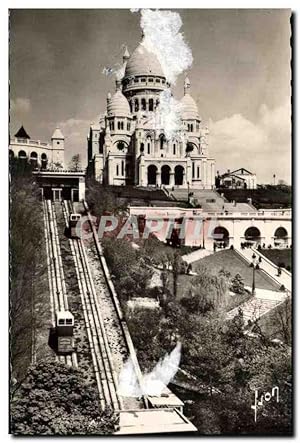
143,62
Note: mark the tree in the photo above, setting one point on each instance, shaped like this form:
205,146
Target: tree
207,293
56,400
75,163
129,267
102,200
29,297
237,284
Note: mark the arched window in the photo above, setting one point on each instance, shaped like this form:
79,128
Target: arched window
174,149
151,104
162,141
22,154
130,104
193,169
189,147
33,158
112,126
122,167
128,126
142,147
119,125
117,170
44,160
157,103
192,128
136,105
143,104
122,125
148,147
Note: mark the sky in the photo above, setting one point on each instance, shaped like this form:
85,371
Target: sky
240,78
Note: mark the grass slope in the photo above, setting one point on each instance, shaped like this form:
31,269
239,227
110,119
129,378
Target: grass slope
232,262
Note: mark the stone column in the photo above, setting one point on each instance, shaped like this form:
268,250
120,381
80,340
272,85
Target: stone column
158,177
142,175
81,190
172,178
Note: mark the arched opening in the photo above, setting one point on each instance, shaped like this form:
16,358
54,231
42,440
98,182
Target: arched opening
252,235
189,147
136,105
44,161
22,155
280,237
142,147
152,170
151,104
179,172
33,159
221,236
165,175
143,104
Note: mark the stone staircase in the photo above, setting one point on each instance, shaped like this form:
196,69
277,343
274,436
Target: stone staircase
211,201
263,302
196,255
254,309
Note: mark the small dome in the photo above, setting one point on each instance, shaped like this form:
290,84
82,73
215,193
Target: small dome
143,62
118,105
190,108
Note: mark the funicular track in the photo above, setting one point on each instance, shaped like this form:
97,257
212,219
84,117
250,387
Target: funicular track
57,287
104,370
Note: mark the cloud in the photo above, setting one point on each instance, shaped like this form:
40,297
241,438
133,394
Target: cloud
20,105
75,132
263,146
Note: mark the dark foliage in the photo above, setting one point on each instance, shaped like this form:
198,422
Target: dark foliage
54,399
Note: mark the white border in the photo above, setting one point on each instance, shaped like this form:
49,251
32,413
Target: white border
175,4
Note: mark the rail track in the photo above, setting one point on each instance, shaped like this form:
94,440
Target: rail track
56,278
104,370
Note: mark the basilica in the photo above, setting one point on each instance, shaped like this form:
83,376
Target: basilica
125,148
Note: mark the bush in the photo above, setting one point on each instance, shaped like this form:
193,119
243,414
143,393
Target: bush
56,400
237,284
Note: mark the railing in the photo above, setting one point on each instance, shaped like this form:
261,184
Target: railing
25,141
60,171
257,214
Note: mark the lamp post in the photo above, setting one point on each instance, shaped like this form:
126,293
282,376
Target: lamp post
254,263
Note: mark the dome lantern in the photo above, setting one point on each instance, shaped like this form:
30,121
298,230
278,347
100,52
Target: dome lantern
126,55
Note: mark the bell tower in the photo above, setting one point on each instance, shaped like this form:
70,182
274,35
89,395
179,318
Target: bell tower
58,148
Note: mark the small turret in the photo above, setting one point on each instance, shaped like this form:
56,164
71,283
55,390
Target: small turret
58,148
